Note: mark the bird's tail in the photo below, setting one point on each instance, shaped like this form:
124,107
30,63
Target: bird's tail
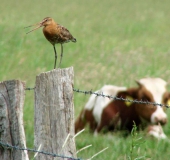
74,40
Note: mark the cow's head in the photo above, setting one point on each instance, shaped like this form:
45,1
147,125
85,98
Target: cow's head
151,90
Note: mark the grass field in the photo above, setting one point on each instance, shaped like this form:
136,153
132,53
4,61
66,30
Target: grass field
118,42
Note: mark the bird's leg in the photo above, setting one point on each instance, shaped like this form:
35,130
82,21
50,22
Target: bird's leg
61,55
55,57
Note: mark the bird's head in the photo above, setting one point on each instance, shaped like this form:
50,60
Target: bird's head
45,22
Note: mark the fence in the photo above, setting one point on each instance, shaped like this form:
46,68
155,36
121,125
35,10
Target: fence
120,98
53,108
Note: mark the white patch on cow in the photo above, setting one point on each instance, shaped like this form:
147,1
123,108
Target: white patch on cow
157,87
102,102
91,102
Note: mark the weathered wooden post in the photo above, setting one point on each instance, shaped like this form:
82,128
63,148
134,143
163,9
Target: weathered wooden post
12,94
54,113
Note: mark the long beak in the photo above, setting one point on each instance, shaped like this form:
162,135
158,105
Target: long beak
39,25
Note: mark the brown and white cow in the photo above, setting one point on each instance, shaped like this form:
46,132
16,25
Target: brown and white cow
102,112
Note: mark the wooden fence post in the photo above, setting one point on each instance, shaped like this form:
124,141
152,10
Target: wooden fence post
54,113
12,94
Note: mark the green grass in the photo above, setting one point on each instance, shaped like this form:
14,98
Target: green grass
118,42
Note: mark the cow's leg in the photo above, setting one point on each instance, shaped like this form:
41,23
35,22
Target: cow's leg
99,128
80,122
93,125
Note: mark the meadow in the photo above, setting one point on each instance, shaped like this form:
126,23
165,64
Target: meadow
118,42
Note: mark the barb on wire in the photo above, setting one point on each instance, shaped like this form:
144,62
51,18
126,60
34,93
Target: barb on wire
119,98
29,88
8,146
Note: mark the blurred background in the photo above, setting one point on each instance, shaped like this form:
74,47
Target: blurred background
118,42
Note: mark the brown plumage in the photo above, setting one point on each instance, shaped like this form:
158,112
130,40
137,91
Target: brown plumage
54,33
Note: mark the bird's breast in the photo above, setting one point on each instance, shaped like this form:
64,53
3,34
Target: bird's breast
51,34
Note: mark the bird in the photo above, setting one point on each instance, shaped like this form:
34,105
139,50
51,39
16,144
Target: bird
54,33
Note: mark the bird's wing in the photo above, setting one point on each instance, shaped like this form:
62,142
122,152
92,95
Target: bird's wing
64,32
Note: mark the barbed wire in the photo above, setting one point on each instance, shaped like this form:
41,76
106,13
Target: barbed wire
29,88
8,146
119,98
90,92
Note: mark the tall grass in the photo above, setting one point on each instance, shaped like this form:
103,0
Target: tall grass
117,42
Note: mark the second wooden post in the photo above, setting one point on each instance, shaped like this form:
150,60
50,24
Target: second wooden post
54,113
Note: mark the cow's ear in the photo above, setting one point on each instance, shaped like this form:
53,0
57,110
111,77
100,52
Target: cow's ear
167,98
168,102
130,95
131,92
138,83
